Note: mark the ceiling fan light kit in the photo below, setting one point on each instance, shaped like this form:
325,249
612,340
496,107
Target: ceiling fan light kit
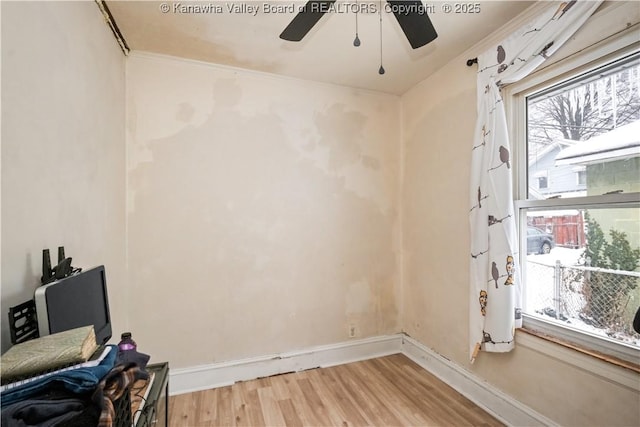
411,16
356,41
381,69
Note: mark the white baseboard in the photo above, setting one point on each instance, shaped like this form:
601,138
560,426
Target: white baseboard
500,405
225,373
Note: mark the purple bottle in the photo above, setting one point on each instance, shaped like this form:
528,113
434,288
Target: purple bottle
126,343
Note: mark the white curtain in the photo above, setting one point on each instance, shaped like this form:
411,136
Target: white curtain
495,309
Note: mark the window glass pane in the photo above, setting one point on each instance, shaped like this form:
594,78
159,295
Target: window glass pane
542,182
591,124
581,269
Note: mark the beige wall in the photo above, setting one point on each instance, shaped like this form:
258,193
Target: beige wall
262,212
63,153
438,126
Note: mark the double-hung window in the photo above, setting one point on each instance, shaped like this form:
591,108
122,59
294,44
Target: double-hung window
578,199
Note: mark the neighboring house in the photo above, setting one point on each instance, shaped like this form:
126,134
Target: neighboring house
605,163
547,179
611,162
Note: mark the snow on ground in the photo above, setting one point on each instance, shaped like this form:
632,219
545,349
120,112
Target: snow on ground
539,276
539,295
565,255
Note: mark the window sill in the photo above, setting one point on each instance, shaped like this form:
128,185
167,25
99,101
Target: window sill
612,369
576,347
606,370
582,339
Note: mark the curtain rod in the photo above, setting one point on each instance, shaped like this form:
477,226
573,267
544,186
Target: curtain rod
472,61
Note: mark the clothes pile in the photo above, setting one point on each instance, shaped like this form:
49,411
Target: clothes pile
82,397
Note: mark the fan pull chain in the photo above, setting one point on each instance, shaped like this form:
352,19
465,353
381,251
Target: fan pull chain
381,69
356,41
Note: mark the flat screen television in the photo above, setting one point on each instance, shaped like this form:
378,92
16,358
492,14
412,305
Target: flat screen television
75,301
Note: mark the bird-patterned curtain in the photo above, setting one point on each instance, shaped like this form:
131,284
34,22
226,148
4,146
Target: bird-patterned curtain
495,305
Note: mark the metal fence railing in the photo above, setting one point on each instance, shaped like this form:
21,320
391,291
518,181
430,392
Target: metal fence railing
593,299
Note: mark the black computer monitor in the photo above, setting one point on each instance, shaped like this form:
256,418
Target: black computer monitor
75,301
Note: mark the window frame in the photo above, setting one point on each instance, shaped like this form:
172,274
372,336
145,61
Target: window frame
515,96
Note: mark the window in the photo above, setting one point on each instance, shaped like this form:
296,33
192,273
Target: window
581,176
542,182
580,256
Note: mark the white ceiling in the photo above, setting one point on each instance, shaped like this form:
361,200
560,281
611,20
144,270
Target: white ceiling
250,41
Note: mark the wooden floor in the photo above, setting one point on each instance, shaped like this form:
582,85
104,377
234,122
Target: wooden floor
388,391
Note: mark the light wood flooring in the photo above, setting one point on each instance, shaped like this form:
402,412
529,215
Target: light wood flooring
387,391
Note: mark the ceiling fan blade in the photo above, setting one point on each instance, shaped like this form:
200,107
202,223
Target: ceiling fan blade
414,21
305,19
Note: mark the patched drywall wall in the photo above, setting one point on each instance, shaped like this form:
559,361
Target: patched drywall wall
63,151
262,212
438,125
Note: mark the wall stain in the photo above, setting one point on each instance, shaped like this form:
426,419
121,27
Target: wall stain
240,213
185,112
370,163
342,132
183,36
292,230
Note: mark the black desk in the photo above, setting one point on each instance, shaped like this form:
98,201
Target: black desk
154,410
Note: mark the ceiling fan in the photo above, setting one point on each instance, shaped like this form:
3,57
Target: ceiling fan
410,14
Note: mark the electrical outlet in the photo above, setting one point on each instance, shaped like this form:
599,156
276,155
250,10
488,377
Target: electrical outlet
352,331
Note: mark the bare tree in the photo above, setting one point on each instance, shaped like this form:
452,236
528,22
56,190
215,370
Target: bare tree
585,111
